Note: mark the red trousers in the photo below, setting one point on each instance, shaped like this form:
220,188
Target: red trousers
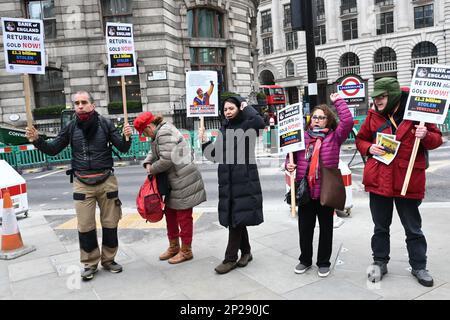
179,224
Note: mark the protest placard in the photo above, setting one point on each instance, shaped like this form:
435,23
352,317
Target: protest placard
429,94
428,102
23,40
291,129
202,99
291,138
120,49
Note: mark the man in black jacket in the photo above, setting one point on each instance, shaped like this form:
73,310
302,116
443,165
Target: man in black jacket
90,135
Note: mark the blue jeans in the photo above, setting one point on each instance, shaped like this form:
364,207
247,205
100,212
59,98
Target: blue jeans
408,211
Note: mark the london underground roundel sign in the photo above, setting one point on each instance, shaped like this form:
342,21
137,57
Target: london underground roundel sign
352,88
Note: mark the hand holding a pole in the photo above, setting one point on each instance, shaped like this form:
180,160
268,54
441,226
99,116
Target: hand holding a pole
127,131
290,167
421,131
32,134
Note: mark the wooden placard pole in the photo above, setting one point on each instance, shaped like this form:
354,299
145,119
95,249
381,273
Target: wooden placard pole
124,100
411,163
202,127
293,204
26,86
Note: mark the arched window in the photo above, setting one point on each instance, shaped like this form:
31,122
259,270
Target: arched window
349,59
266,78
424,53
385,54
49,88
205,23
321,64
385,60
349,63
290,69
424,49
321,68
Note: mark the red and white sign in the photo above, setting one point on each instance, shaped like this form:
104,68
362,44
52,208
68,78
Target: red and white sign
16,185
352,89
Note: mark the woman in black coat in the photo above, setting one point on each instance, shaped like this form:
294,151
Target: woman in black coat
240,195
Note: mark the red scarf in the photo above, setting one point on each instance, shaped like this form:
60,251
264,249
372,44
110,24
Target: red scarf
317,137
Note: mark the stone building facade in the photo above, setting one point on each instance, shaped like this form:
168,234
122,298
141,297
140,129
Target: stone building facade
371,38
171,35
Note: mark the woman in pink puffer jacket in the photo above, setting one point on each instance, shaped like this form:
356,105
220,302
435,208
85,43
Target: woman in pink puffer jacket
323,140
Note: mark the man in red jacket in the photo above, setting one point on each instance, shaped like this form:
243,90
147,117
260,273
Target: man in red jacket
385,182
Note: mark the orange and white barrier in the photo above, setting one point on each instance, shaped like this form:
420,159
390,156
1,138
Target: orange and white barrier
11,242
17,187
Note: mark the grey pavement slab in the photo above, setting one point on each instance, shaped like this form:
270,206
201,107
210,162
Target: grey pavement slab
217,287
392,287
438,293
30,269
47,287
269,276
139,280
331,289
275,271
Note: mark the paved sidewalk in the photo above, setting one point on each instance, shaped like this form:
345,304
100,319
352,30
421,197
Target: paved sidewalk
52,271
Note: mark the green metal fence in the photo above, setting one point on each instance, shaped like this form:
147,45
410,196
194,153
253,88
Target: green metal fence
21,157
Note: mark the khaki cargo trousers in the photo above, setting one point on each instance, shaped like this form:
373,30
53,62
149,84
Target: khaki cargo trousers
106,195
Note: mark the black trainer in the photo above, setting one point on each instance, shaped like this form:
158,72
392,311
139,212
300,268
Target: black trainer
88,273
423,276
113,267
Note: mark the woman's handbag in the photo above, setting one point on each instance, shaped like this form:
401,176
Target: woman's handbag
332,189
302,195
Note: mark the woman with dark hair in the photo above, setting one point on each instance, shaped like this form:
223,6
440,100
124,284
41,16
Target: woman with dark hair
171,154
323,139
240,195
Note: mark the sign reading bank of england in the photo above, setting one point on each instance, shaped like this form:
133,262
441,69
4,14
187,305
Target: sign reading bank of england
23,41
352,89
429,94
120,49
291,129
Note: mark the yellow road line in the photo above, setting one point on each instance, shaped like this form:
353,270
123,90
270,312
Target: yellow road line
128,221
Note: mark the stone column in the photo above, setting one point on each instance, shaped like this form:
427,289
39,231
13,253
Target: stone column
403,20
276,27
333,22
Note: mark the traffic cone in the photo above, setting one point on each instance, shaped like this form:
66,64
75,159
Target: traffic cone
12,244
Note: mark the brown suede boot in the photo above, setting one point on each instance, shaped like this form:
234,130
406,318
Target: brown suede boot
172,251
184,254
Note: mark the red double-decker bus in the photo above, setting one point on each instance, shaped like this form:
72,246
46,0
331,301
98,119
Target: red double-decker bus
275,98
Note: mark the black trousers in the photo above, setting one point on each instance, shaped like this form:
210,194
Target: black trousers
237,239
408,211
306,223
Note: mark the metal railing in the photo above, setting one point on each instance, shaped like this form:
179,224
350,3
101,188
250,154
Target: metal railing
23,157
424,60
389,66
322,74
349,70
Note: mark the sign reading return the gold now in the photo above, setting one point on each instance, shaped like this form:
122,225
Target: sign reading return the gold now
120,47
429,94
23,40
291,129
